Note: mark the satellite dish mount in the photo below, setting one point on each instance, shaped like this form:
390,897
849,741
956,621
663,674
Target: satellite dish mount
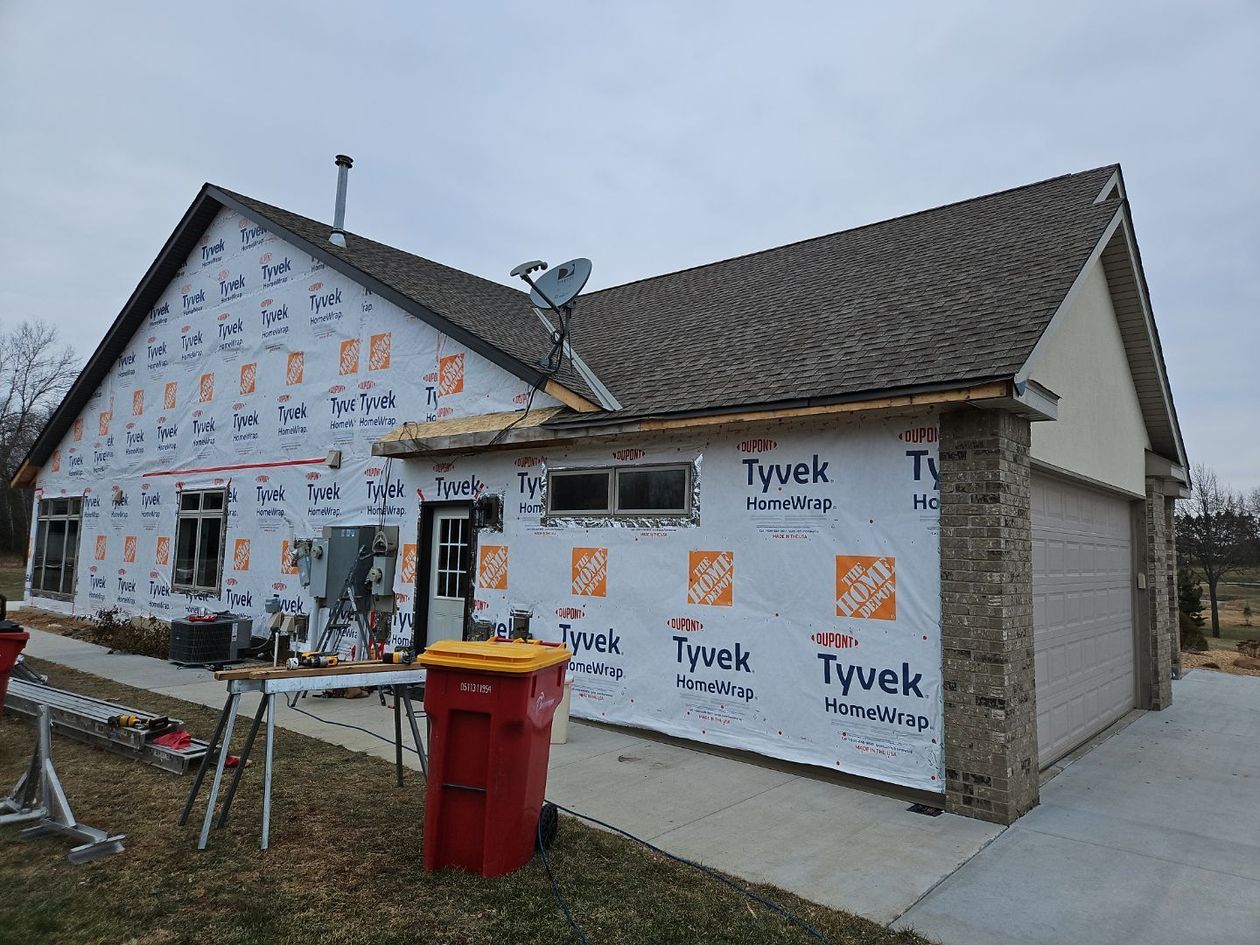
555,290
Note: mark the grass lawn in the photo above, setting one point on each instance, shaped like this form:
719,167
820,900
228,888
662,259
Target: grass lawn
344,864
12,577
1239,589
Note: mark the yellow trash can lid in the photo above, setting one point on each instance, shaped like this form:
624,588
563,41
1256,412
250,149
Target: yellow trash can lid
495,656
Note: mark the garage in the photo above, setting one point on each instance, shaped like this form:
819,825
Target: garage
1082,613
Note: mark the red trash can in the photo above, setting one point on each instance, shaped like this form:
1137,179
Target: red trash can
12,639
490,706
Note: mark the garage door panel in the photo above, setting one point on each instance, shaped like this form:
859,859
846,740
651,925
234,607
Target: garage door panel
1082,613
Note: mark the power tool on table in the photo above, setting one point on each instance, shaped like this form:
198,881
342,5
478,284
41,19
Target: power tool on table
125,720
312,660
401,655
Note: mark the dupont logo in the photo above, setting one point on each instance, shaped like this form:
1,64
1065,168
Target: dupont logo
627,454
409,564
492,567
520,398
526,462
169,395
162,553
443,467
206,388
451,374
759,445
590,572
378,351
866,587
685,624
129,549
240,555
293,371
834,640
570,613
137,402
711,578
78,429
102,423
286,557
101,544
919,435
349,362
312,476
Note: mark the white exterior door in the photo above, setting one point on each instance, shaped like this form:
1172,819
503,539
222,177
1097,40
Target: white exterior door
448,574
1082,613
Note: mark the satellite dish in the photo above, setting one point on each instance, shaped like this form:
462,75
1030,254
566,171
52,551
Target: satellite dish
560,285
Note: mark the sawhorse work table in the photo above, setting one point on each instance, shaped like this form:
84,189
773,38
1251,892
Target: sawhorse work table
271,682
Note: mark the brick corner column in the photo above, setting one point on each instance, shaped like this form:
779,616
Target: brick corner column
1164,637
990,711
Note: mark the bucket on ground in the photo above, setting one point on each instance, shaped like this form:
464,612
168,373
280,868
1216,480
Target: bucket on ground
12,639
490,705
560,724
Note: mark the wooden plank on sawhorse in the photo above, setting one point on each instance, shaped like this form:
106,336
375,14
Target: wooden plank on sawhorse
276,683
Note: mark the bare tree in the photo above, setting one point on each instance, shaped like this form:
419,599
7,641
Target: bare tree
1216,534
36,371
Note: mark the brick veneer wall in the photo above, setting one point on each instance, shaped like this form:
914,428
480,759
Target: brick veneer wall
990,711
1161,590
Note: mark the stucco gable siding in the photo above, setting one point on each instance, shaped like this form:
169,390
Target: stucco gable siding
1100,433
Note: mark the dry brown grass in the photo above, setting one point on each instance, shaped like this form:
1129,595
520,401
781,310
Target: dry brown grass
344,865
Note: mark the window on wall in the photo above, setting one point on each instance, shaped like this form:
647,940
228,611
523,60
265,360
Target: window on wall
620,491
199,539
56,556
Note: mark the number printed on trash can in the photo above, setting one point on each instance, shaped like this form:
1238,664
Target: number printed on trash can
480,688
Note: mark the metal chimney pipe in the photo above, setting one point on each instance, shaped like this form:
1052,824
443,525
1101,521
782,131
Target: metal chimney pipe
338,236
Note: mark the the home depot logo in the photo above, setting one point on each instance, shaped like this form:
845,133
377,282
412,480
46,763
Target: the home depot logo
349,363
129,549
78,429
169,395
378,351
206,388
409,564
451,374
866,587
296,365
100,547
102,422
137,402
56,461
711,578
249,377
492,567
240,555
286,558
590,572
162,553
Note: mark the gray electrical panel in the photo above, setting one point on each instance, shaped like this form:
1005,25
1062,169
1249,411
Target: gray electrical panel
348,558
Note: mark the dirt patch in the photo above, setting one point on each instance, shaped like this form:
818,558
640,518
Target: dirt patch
1221,661
46,620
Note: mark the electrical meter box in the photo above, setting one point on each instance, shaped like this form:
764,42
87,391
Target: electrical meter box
347,560
384,563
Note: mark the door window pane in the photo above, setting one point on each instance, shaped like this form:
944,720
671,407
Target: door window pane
452,553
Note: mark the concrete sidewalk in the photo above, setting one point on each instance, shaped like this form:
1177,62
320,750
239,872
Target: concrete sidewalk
1151,837
843,847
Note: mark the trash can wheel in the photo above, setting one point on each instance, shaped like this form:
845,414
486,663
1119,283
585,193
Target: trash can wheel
548,823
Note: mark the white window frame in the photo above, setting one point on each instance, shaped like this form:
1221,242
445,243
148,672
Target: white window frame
43,517
197,516
614,509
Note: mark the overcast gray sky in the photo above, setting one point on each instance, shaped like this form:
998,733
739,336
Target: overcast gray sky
648,136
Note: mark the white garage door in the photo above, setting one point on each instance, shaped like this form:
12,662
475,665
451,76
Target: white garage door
1082,613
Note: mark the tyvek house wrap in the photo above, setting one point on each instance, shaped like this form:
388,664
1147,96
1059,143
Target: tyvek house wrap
796,615
256,360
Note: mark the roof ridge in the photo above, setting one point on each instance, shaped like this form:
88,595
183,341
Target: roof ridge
368,239
855,229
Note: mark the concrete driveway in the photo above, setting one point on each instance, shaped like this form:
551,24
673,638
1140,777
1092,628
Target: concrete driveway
1151,837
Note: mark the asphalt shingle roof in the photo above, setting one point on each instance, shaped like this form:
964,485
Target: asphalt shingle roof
959,293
